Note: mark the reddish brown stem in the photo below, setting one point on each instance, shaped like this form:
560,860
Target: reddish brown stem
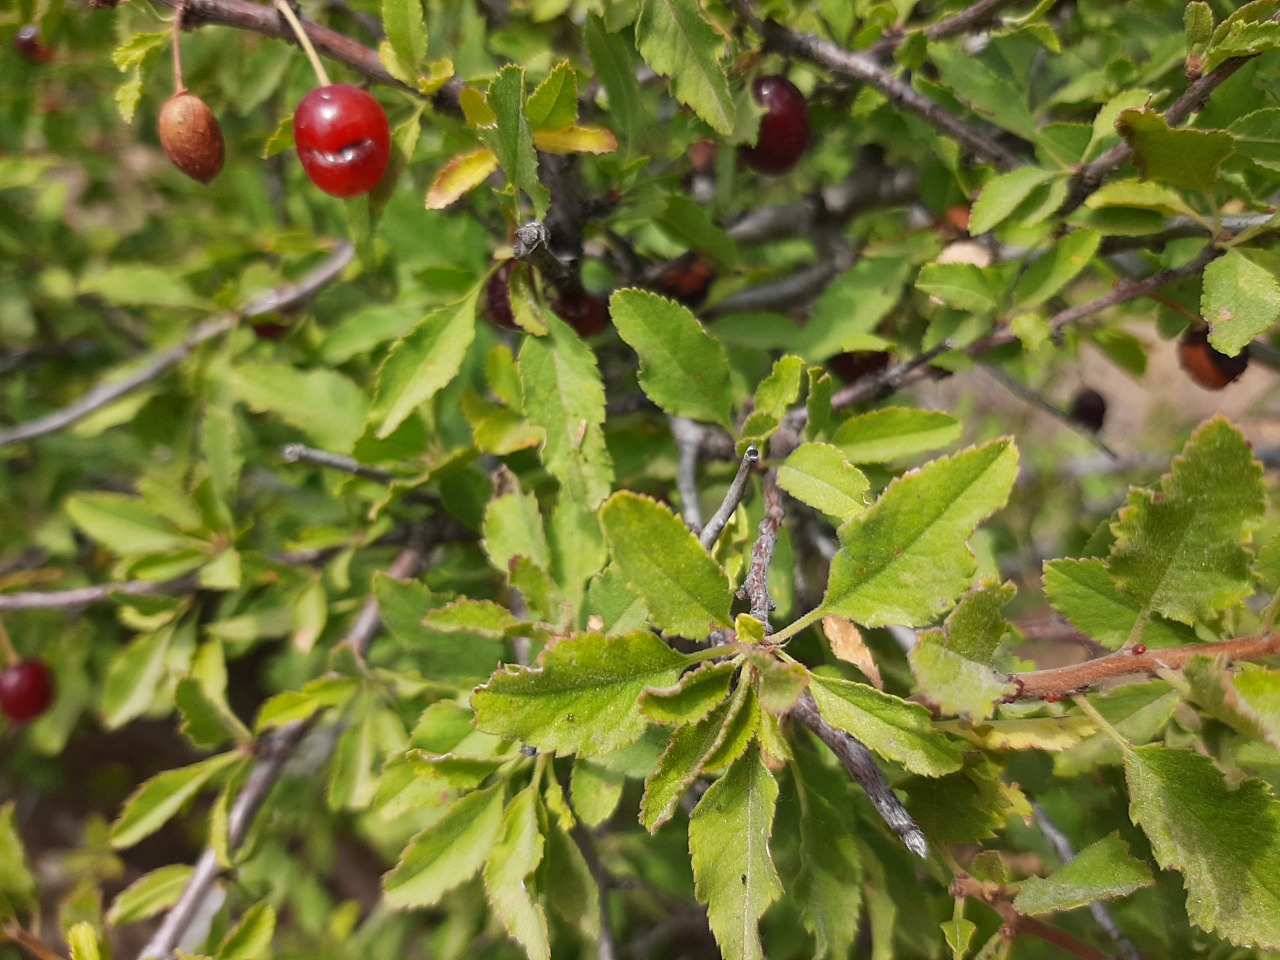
997,898
1061,681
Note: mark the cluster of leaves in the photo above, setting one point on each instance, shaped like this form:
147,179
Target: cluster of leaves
650,764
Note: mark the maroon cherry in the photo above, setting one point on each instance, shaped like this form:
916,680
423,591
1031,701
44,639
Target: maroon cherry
497,297
585,312
26,690
1089,408
27,42
686,279
784,128
268,330
1206,366
343,139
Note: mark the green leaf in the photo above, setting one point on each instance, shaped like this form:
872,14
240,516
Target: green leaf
683,761
152,805
847,313
1247,32
682,369
513,528
149,894
1225,842
678,43
779,684
135,673
140,285
733,870
696,694
206,721
1182,158
1001,196
1257,693
251,937
1180,550
17,886
906,560
1050,273
1142,194
820,475
325,405
1197,23
690,222
583,697
955,665
614,61
1257,136
828,888
571,890
514,857
447,853
596,791
1239,300
1084,592
963,286
563,395
620,608
967,806
685,589
124,524
553,105
422,362
1101,871
82,940
896,729
892,433
991,96
510,139
406,31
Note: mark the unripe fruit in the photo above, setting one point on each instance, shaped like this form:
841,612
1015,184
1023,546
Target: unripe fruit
784,128
585,312
1206,366
1089,408
27,42
343,139
191,137
26,690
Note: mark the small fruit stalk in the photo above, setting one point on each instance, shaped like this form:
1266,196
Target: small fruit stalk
189,132
341,132
26,686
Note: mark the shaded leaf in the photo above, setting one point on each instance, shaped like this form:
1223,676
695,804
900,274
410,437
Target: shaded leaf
1101,871
678,43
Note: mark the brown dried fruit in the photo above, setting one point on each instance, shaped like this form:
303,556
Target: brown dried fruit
191,137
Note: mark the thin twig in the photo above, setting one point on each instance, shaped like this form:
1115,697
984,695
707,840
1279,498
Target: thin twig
733,496
273,751
755,586
105,393
85,596
533,245
981,140
688,437
301,453
860,765
787,294
1089,177
1024,392
264,19
980,14
283,296
997,897
1059,682
1101,913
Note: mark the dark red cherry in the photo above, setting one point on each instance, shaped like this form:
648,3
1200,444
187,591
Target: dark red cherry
686,279
585,312
343,139
27,42
268,330
1206,366
497,297
1089,408
784,128
26,690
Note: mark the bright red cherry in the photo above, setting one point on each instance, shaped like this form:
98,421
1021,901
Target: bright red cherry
585,312
343,139
27,42
784,128
26,690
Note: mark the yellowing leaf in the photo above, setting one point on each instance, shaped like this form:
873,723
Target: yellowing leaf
575,139
462,174
847,644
